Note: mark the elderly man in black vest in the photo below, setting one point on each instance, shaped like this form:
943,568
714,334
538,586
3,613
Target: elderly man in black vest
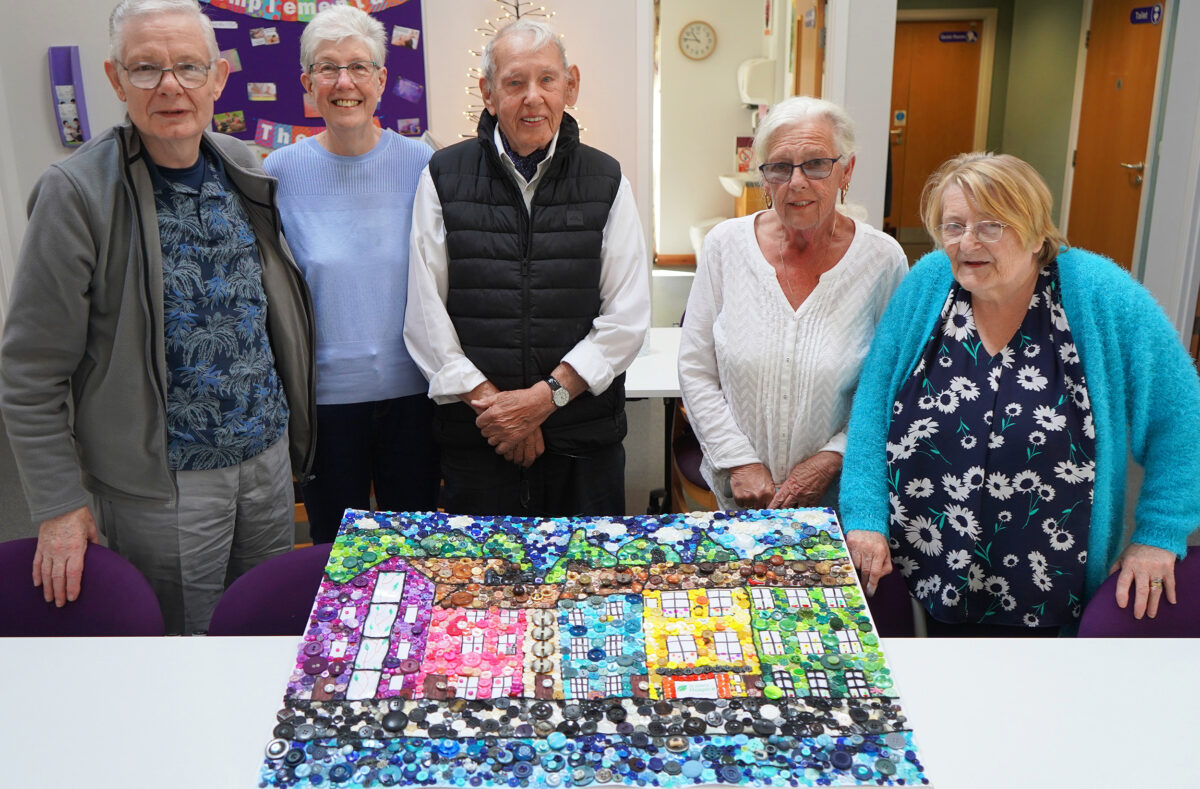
528,295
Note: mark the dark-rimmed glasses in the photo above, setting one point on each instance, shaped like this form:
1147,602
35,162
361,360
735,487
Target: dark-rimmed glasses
147,75
813,169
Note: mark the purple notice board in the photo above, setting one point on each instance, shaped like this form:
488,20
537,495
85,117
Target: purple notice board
264,101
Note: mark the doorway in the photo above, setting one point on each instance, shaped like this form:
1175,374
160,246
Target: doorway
941,89
1111,156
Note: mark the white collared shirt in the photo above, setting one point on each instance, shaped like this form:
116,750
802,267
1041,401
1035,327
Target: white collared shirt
616,334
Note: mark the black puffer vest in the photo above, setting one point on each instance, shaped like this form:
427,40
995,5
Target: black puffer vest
524,287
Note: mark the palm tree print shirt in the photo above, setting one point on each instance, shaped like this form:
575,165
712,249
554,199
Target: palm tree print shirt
225,402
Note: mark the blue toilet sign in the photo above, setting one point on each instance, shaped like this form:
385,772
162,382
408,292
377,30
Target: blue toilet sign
1146,14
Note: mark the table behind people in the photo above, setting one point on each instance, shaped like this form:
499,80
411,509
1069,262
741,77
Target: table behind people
154,294
345,197
780,316
523,330
1008,381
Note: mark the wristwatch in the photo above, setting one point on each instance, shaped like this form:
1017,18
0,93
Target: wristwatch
558,392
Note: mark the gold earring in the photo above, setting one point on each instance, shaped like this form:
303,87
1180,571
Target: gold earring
844,190
767,196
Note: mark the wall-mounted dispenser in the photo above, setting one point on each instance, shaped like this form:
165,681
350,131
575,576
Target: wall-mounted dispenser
756,81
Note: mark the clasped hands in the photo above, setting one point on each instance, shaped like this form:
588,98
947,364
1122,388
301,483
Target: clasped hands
512,421
754,488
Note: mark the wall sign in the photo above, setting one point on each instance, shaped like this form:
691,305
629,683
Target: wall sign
958,37
1146,15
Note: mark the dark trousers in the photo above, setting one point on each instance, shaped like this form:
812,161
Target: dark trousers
480,482
389,443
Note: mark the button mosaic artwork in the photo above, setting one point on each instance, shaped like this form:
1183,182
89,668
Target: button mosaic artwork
680,650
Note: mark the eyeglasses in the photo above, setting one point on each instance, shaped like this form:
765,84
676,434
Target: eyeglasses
985,232
359,70
813,169
147,75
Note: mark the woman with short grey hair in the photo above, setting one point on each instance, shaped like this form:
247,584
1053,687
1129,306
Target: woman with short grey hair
346,199
780,316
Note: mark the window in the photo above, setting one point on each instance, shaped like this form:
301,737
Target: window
809,642
576,617
729,648
772,644
472,644
474,614
613,645
508,616
737,686
856,684
675,605
848,641
468,687
720,602
681,648
410,613
614,685
783,680
579,648
798,598
579,688
762,598
818,683
501,686
615,608
507,644
834,597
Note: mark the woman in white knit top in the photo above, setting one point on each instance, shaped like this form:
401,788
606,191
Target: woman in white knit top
780,316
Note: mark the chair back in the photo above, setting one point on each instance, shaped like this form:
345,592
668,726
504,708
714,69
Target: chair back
114,599
891,607
273,599
1103,618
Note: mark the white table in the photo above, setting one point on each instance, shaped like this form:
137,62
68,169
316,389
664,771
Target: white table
655,371
996,714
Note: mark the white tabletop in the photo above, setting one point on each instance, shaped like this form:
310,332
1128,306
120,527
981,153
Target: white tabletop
655,372
997,714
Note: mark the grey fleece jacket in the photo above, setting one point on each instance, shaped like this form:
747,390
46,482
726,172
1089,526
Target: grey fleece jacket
83,366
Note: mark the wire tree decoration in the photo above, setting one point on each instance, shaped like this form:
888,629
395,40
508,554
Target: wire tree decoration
511,11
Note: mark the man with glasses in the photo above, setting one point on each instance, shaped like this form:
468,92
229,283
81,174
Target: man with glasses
527,295
158,350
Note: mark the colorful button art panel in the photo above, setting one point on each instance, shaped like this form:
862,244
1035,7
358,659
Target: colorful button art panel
681,650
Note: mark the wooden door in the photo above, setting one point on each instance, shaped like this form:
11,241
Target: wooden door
935,79
1114,127
810,47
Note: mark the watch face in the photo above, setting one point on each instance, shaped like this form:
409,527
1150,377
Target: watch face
561,397
697,40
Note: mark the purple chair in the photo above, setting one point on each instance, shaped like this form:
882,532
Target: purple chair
273,599
114,598
891,607
1103,618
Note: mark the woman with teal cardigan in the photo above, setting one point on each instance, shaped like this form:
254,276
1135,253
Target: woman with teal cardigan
1009,380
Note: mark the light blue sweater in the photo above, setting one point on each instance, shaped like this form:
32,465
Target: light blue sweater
347,220
1144,394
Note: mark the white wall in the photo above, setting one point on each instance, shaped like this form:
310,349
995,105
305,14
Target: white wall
701,114
1172,261
858,76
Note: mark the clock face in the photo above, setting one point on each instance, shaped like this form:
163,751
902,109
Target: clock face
697,40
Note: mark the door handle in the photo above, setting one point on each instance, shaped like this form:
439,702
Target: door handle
1136,166
896,131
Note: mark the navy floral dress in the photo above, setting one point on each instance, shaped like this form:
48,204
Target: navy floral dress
991,463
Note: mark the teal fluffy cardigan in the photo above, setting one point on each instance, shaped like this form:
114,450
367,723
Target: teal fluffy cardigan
1144,393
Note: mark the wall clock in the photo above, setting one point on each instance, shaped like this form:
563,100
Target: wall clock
697,40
